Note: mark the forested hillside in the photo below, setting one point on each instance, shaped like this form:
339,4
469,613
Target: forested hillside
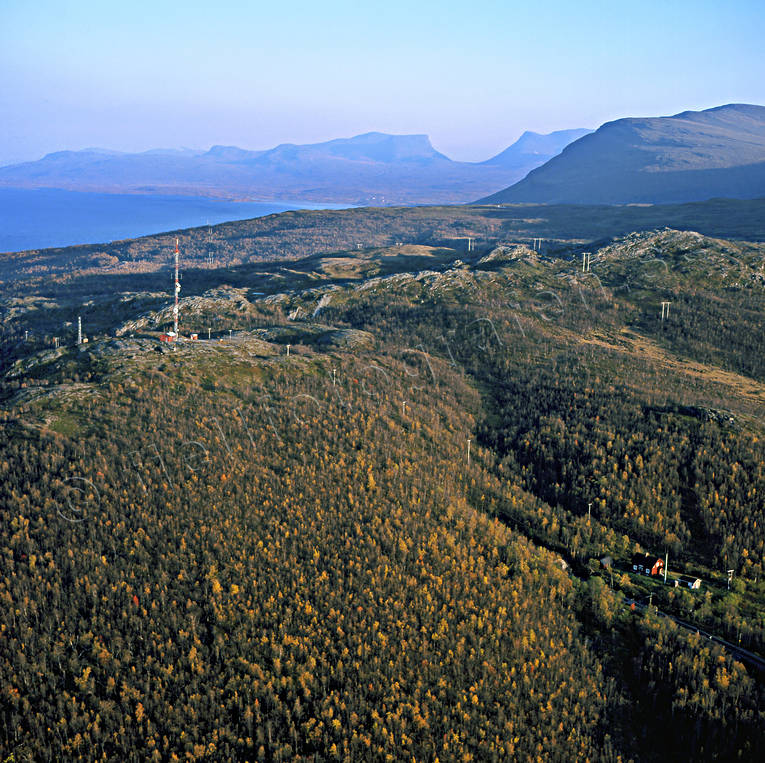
363,519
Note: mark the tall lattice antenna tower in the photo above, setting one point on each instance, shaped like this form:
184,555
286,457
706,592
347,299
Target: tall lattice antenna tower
177,292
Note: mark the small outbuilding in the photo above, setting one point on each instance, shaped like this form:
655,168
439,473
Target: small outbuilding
606,562
687,581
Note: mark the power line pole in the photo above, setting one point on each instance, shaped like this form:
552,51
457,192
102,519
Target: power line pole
177,292
665,310
468,452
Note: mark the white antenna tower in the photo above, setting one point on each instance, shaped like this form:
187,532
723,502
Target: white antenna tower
79,329
177,292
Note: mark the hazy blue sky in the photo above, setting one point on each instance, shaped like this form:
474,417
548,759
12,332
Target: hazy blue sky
472,75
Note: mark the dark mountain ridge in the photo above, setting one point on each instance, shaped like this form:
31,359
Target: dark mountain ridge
691,156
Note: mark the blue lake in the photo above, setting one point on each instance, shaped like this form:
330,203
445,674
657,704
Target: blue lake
35,219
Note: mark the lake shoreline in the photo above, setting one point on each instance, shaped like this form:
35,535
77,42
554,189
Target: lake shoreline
45,218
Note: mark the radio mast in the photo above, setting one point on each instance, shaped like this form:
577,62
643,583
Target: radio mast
177,292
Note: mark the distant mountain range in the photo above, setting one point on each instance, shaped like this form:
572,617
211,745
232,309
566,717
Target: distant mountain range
692,156
370,169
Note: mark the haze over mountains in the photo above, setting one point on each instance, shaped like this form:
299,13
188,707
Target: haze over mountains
374,168
691,156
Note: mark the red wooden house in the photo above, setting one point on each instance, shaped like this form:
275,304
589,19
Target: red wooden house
647,564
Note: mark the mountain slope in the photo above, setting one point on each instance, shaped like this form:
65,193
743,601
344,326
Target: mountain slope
691,156
374,168
222,552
